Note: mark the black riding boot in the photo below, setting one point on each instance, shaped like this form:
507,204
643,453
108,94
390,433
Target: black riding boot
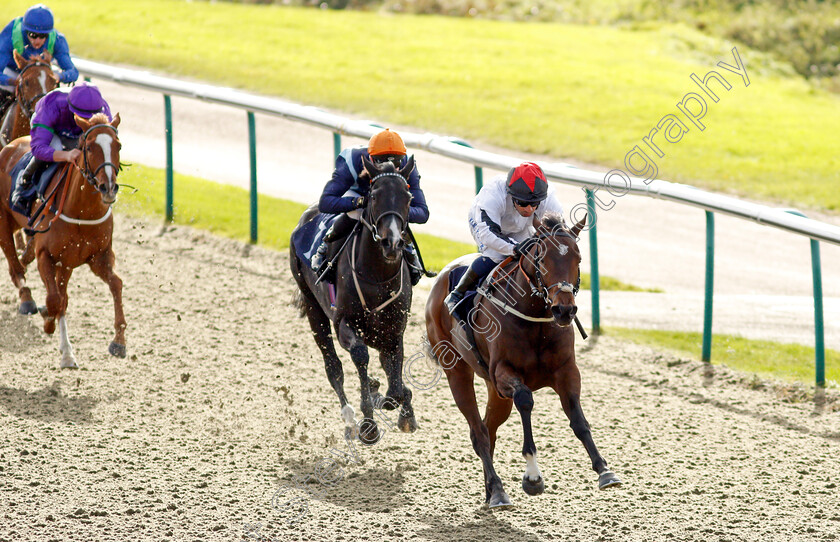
415,270
26,179
342,226
455,296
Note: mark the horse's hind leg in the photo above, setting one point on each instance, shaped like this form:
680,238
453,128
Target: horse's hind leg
368,430
103,267
320,324
460,379
496,413
16,270
567,387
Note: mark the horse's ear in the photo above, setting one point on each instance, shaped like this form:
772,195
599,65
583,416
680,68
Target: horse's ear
82,123
46,57
579,226
116,121
408,168
19,60
370,166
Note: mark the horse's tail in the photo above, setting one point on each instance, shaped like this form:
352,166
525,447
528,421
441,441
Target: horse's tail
300,302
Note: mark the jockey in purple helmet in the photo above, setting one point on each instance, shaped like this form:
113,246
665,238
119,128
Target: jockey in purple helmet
54,126
30,36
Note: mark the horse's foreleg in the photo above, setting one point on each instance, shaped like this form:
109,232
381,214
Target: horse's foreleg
460,378
68,360
398,394
568,388
368,430
532,480
16,270
103,267
496,413
320,324
46,268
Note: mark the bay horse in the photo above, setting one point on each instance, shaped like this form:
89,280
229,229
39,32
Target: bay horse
372,301
35,80
521,328
80,225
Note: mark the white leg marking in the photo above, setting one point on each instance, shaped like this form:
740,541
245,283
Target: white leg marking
532,470
64,346
104,141
348,414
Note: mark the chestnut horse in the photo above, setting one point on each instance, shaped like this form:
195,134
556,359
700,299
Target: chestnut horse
372,301
523,341
79,228
35,80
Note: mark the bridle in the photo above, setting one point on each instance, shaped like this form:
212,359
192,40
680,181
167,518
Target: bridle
538,287
28,106
90,176
372,224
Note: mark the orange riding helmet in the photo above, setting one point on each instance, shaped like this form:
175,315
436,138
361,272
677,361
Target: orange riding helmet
386,142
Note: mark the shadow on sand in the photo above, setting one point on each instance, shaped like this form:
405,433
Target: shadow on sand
47,404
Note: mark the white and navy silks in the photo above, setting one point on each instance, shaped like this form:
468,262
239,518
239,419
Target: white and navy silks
497,226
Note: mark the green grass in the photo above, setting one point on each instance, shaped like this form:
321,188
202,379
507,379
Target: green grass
586,92
788,362
224,210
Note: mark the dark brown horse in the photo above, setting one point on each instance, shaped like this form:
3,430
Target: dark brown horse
524,340
79,230
372,301
35,80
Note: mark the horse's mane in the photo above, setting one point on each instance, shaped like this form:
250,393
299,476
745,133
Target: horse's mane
552,221
99,118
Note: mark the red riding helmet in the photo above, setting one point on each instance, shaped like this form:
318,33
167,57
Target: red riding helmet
526,182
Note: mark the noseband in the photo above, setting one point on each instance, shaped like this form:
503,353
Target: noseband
372,224
90,176
28,106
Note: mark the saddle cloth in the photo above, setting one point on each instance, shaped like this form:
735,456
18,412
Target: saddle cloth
308,237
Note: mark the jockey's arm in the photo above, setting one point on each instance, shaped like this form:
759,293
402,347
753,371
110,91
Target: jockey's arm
61,54
331,201
6,58
489,233
41,137
418,213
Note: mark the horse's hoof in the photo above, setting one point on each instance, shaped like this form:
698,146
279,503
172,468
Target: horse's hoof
499,500
373,385
369,433
28,307
68,363
533,487
117,350
407,424
608,479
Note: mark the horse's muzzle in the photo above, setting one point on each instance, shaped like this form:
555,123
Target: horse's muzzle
564,314
391,248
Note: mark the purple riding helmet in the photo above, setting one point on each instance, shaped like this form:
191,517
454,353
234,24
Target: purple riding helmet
85,100
38,19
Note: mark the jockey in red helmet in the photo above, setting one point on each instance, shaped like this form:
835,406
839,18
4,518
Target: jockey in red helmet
502,220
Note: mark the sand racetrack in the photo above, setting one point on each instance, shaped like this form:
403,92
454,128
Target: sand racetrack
223,400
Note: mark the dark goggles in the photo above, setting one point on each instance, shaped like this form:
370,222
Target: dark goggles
36,36
523,204
395,159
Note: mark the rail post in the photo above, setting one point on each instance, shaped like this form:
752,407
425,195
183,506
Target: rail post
594,277
167,107
819,330
710,286
479,172
252,144
336,145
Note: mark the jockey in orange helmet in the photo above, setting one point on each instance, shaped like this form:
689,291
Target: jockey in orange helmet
347,193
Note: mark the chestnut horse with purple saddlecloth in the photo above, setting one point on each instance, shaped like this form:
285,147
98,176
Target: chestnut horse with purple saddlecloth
372,301
35,80
524,339
78,224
